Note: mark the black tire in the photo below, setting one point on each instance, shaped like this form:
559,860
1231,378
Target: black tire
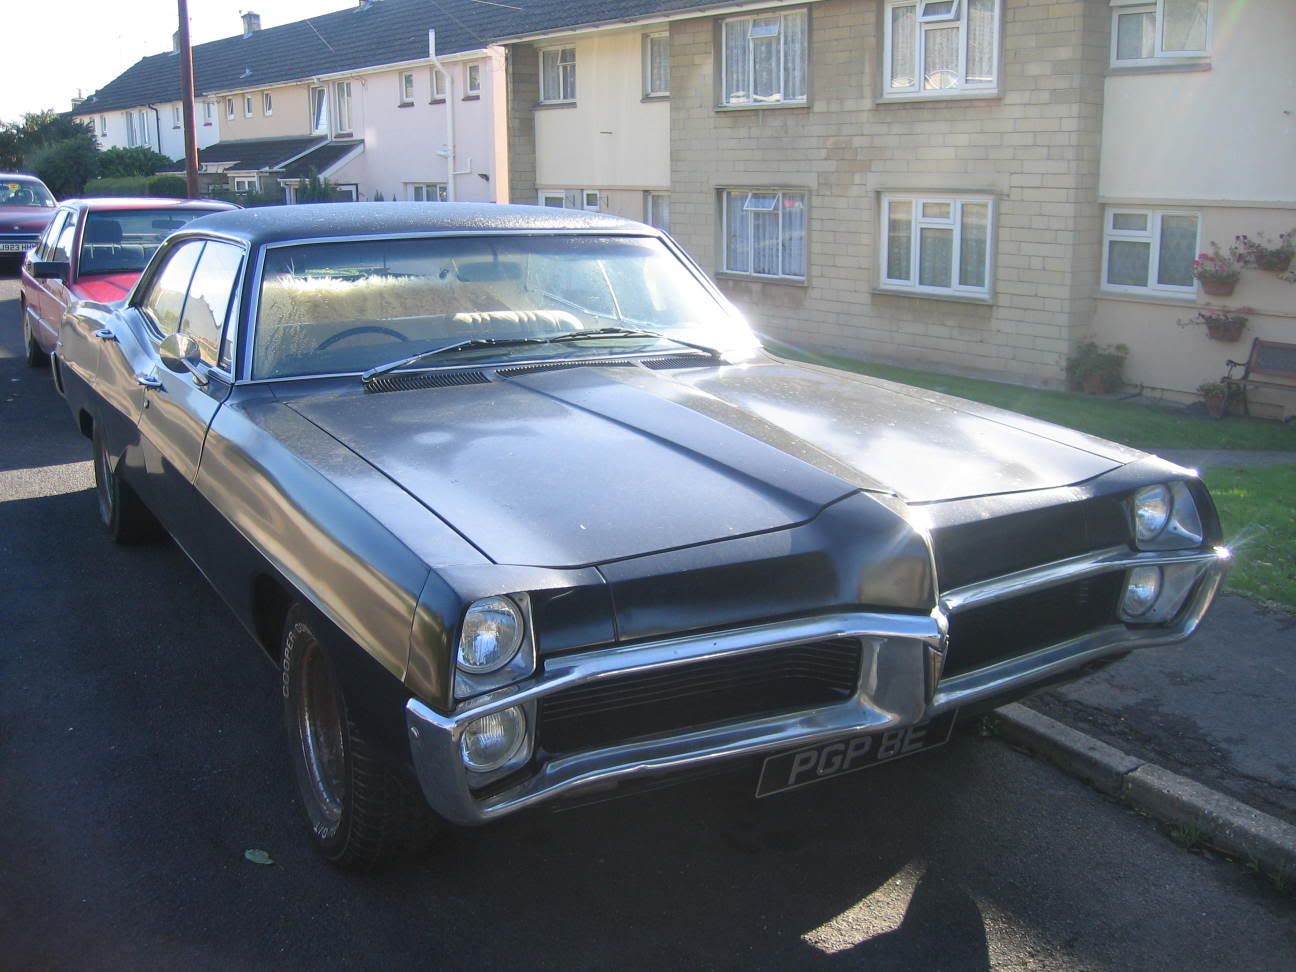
362,810
36,358
123,515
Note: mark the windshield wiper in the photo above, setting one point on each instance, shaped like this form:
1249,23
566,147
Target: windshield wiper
606,332
483,342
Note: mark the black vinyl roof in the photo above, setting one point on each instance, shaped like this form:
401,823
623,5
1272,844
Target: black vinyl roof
361,36
280,224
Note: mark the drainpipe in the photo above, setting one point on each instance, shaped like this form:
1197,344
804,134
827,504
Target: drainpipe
450,119
157,125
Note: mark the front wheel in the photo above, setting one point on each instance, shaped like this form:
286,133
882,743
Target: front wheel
122,513
32,352
362,810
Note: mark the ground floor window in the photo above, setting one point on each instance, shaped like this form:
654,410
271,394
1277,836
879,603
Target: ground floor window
427,192
657,210
1149,250
937,244
587,199
764,232
245,184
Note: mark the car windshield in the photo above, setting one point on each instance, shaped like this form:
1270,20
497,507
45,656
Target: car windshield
25,192
123,241
332,308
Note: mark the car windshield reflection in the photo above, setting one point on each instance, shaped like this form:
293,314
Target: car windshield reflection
335,308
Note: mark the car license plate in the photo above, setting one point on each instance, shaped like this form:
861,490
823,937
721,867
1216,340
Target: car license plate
15,247
801,767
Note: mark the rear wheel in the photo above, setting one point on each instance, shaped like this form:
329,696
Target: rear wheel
36,358
362,810
123,515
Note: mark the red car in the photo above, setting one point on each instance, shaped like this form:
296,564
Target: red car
26,206
94,249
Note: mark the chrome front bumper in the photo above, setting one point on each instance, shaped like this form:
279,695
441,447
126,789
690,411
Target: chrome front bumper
899,685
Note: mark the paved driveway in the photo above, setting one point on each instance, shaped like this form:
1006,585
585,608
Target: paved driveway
141,755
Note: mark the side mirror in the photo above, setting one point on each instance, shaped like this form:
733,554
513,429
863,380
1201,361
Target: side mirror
179,353
50,269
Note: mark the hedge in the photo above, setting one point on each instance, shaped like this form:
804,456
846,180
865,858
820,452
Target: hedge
164,185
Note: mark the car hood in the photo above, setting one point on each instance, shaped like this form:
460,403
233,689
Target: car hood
104,287
24,219
592,464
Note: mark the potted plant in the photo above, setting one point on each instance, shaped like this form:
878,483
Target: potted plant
1216,271
1097,369
1216,395
1221,325
1264,254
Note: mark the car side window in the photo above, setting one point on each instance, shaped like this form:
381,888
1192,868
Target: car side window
210,296
164,301
63,245
45,246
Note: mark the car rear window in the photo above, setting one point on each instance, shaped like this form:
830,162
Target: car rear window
123,241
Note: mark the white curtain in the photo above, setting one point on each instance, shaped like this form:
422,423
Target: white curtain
935,256
737,233
973,238
904,47
899,239
766,84
940,58
980,41
1178,247
1184,28
794,222
659,64
794,57
737,79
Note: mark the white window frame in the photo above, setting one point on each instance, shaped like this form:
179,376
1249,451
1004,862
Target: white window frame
657,210
247,106
427,192
777,207
177,116
545,98
342,102
247,184
209,110
405,94
130,129
103,125
1160,55
923,23
586,199
472,80
267,103
919,222
229,109
650,88
782,16
1151,236
319,122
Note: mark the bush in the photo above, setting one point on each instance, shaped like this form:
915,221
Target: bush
137,161
166,186
66,166
1096,368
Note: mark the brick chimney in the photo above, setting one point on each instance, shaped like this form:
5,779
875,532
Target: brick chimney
251,23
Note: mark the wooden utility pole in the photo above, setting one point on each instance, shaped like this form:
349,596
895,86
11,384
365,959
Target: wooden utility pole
187,101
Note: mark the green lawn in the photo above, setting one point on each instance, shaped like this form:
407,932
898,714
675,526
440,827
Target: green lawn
1258,510
1136,424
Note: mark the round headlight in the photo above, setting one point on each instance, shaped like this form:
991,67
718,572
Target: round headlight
492,634
491,741
1141,591
1151,511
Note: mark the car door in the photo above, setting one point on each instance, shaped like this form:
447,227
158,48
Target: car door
180,405
40,304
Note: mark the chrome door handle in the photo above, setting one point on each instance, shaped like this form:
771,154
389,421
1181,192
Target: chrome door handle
105,334
148,381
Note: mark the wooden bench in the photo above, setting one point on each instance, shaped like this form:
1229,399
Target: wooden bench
1271,364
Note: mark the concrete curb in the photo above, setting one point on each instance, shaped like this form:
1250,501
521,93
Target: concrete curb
1223,822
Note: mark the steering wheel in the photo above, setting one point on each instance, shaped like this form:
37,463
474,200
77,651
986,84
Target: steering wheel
350,332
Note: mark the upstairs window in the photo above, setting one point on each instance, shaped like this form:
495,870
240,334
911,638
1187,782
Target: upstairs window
342,91
764,233
1148,33
103,125
438,85
407,88
656,65
229,109
764,60
558,75
247,106
1148,250
267,104
941,47
177,116
472,80
209,109
319,111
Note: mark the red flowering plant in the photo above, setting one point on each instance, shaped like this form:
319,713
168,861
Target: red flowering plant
1265,254
1217,265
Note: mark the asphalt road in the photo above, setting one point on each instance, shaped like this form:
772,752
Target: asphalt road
141,755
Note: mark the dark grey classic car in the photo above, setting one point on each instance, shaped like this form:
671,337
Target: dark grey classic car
523,511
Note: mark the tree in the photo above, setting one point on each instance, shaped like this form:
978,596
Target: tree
314,189
57,147
66,166
137,161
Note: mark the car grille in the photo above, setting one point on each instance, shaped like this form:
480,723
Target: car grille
995,632
691,696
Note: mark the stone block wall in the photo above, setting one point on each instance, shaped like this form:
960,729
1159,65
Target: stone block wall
522,71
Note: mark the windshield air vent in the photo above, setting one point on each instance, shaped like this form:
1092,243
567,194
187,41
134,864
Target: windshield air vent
425,379
675,361
559,365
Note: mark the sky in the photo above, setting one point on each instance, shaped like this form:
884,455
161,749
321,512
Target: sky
84,44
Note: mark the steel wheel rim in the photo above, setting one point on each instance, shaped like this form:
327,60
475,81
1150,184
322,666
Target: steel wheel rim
320,738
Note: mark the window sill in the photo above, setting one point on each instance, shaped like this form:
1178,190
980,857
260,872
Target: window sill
981,301
471,97
437,101
404,104
1165,297
655,97
768,106
980,94
1176,66
751,278
550,105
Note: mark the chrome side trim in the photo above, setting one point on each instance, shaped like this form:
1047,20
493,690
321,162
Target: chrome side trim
892,692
